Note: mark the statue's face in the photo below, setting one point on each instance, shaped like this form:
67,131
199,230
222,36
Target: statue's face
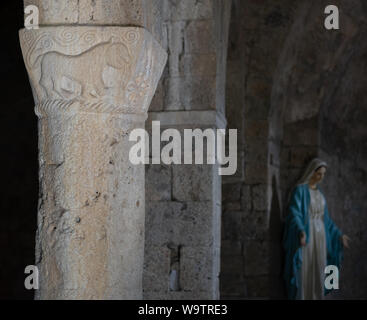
319,175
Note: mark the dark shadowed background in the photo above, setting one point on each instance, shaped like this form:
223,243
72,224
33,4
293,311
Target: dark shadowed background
19,181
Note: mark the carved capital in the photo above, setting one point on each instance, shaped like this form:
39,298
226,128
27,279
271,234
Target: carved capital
92,69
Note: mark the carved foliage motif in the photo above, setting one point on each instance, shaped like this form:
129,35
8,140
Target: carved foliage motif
99,69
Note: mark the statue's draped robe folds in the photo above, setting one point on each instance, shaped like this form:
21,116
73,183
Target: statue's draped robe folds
297,220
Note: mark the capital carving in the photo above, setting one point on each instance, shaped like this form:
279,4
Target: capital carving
92,69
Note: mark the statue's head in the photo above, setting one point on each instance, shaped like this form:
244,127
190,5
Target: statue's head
314,173
318,175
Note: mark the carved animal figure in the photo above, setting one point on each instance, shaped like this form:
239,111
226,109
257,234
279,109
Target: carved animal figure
101,71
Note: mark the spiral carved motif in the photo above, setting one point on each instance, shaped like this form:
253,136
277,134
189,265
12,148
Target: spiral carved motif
66,36
131,36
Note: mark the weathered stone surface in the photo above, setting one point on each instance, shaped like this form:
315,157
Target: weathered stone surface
232,288
186,224
256,173
229,247
197,269
256,151
255,129
261,197
231,192
92,86
258,287
158,183
235,266
232,225
255,225
156,269
192,182
246,200
188,93
141,13
196,44
257,255
191,10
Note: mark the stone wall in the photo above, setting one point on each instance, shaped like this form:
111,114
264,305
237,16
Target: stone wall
251,209
293,74
343,126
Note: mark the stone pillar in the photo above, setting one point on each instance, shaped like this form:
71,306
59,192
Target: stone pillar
183,223
92,85
183,218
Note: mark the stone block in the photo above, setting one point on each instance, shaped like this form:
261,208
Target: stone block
259,86
232,206
156,268
256,151
190,93
302,133
158,179
185,224
246,198
256,173
197,268
231,192
300,156
257,107
257,258
198,93
231,248
199,37
232,288
191,10
261,197
255,226
203,65
232,225
158,99
193,182
233,265
255,129
258,287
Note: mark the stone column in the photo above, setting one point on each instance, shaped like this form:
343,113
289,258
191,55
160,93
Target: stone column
92,85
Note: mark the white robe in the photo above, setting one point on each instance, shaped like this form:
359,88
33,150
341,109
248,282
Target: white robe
314,253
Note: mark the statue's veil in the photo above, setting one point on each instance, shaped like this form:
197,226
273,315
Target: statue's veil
311,168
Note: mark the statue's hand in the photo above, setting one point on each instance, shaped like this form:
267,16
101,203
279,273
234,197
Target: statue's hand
303,239
345,239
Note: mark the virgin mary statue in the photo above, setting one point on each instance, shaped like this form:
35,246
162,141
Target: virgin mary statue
311,239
